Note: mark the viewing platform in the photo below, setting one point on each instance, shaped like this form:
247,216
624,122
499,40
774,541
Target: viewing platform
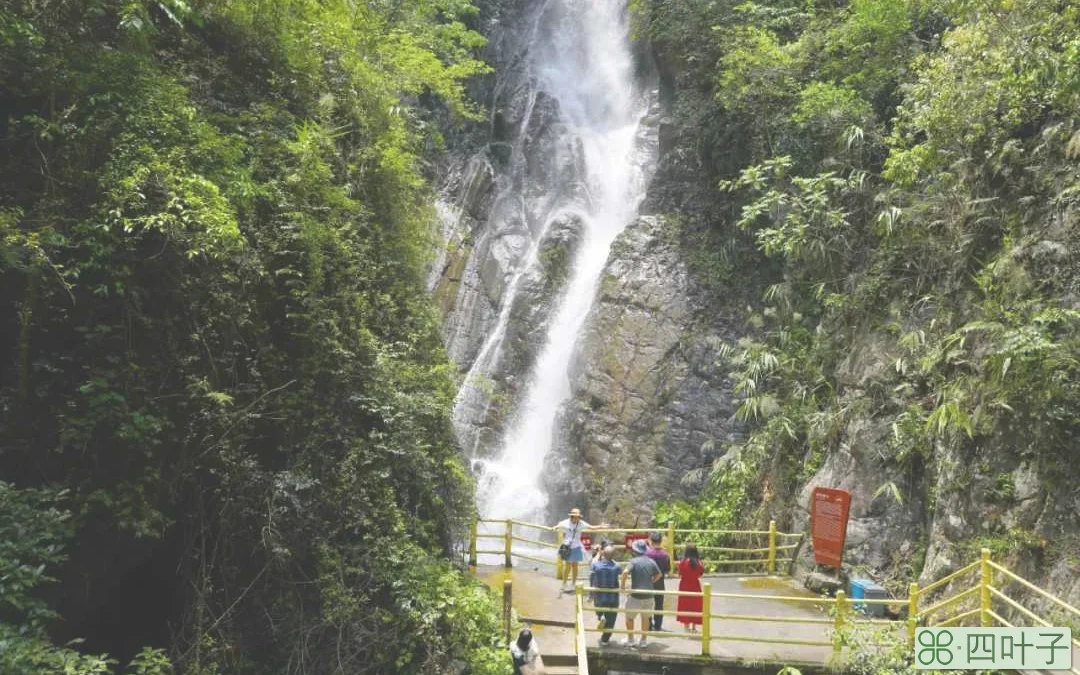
756,621
536,597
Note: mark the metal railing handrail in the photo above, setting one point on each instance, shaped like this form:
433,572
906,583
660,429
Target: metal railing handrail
580,645
948,602
950,577
1032,587
770,561
983,588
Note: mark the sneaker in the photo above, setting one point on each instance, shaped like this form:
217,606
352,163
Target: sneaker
627,642
642,644
604,643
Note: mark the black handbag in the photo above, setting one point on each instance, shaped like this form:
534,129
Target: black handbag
564,548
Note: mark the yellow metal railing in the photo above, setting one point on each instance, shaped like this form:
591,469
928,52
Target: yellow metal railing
985,601
767,557
707,636
840,607
993,603
580,645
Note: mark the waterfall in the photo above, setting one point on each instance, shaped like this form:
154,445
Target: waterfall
580,57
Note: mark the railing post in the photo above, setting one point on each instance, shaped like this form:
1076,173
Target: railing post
912,612
508,539
838,626
772,546
985,579
508,604
559,563
669,539
706,618
472,543
579,592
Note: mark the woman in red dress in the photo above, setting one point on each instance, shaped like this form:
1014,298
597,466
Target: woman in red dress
690,571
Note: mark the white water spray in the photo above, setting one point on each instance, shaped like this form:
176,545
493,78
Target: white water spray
582,59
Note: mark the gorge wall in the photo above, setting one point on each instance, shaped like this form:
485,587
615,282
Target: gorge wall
645,403
687,298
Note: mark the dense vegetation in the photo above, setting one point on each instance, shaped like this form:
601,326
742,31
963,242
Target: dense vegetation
224,398
893,178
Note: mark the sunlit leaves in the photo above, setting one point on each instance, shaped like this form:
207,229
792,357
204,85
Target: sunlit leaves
1006,66
796,217
214,236
757,73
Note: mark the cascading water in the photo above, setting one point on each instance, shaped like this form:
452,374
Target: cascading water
580,57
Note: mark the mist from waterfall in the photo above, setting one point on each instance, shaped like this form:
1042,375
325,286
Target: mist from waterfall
581,58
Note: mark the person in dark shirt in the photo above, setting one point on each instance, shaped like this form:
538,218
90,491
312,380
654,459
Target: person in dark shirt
663,561
605,573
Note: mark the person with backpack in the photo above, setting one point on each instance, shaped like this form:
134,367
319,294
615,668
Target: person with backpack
526,654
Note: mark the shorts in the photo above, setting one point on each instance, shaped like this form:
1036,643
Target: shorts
635,606
576,555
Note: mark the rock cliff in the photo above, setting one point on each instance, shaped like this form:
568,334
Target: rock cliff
649,407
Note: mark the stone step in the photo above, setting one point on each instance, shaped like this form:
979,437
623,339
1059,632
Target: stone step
560,660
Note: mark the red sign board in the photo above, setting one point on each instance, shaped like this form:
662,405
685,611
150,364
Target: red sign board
631,537
828,524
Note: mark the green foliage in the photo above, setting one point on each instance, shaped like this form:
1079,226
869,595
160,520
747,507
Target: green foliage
728,494
33,530
800,220
894,178
830,109
758,76
555,262
34,527
212,238
875,650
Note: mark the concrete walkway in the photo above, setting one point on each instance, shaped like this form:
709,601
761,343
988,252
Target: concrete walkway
536,595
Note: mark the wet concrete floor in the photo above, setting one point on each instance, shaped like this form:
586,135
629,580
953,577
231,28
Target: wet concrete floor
536,595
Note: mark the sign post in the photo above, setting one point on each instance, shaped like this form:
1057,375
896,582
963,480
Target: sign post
631,537
828,524
586,543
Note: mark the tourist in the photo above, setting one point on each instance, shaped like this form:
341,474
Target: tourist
572,551
663,561
598,551
604,573
690,606
642,573
526,654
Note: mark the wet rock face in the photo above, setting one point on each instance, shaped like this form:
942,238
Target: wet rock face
647,403
499,185
540,288
881,530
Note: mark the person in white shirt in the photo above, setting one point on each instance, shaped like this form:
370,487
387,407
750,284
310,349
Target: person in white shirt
526,654
574,553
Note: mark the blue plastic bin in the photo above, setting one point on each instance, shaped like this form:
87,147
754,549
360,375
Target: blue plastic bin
866,589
